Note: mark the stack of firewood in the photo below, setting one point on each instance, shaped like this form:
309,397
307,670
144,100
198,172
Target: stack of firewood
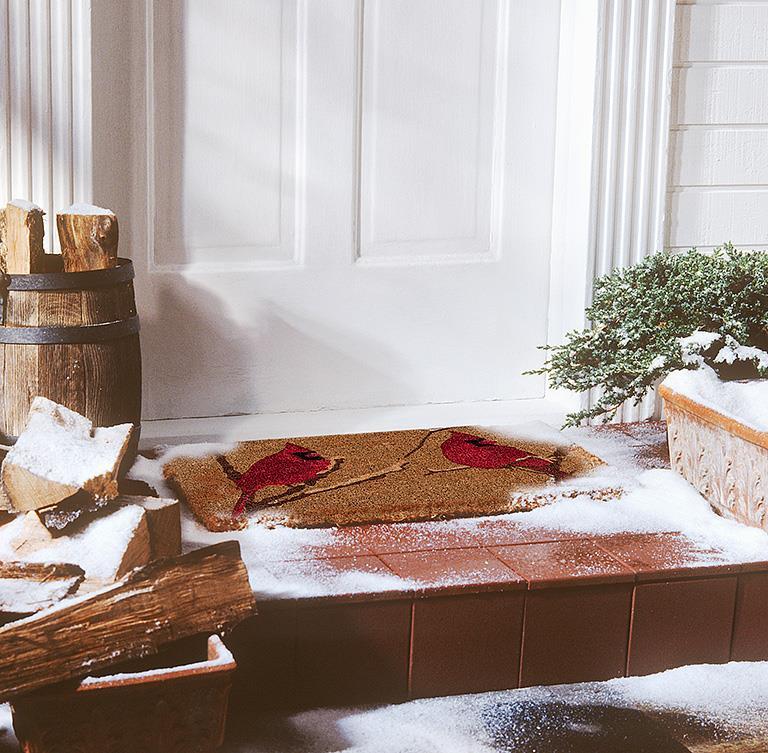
96,577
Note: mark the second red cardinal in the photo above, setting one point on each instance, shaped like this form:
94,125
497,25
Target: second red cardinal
292,465
478,452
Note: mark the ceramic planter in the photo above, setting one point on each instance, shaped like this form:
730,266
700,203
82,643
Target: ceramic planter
723,458
175,710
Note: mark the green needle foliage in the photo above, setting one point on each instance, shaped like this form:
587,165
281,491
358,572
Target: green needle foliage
639,314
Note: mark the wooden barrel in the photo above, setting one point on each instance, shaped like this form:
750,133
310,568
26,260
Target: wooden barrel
74,338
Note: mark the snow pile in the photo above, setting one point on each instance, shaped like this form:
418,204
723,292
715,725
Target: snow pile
98,548
732,695
62,445
746,402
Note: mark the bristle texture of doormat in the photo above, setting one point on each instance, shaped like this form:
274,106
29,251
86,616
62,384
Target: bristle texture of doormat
395,476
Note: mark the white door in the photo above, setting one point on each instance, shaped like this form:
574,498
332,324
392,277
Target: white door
348,203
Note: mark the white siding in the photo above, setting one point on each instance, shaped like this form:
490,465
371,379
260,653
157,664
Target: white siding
718,174
45,104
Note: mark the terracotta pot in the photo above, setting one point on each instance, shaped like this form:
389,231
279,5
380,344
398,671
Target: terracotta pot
181,709
723,458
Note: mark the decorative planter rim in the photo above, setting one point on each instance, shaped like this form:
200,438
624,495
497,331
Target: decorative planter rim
219,661
711,416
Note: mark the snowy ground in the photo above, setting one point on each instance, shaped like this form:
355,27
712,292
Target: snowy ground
700,705
654,500
708,708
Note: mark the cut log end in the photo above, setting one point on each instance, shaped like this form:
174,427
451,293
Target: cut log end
88,240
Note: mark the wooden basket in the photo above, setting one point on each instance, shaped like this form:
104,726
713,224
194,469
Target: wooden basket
724,459
71,337
177,710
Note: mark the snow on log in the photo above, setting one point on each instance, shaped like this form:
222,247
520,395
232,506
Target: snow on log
88,237
106,549
29,587
59,453
23,237
206,590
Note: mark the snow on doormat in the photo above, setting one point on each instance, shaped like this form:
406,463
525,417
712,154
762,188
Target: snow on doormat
392,476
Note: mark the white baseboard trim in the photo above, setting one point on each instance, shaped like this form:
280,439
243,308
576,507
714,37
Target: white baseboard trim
551,410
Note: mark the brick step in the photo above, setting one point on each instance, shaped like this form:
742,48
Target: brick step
501,612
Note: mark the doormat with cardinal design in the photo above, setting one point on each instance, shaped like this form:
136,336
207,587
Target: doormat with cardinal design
393,476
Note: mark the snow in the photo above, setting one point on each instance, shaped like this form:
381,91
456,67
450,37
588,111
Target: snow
692,346
223,658
746,402
735,694
21,595
62,445
27,206
655,500
732,352
98,548
86,209
731,698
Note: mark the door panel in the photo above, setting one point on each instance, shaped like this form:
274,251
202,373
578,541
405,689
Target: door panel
349,203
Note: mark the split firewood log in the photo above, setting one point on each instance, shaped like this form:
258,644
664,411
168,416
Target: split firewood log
106,549
29,587
58,454
3,249
163,519
203,591
164,523
23,237
88,237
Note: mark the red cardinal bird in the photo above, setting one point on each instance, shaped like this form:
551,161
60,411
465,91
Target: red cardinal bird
478,452
292,465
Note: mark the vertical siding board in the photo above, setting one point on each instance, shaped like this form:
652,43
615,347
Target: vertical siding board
631,142
45,102
20,110
5,100
40,88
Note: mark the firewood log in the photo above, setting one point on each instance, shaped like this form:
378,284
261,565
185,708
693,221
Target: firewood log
29,587
23,237
107,548
206,590
164,523
59,453
88,237
3,249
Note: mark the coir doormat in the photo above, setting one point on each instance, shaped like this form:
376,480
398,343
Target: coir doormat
391,476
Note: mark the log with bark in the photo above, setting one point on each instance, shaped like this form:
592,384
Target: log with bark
88,237
60,453
23,237
206,590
